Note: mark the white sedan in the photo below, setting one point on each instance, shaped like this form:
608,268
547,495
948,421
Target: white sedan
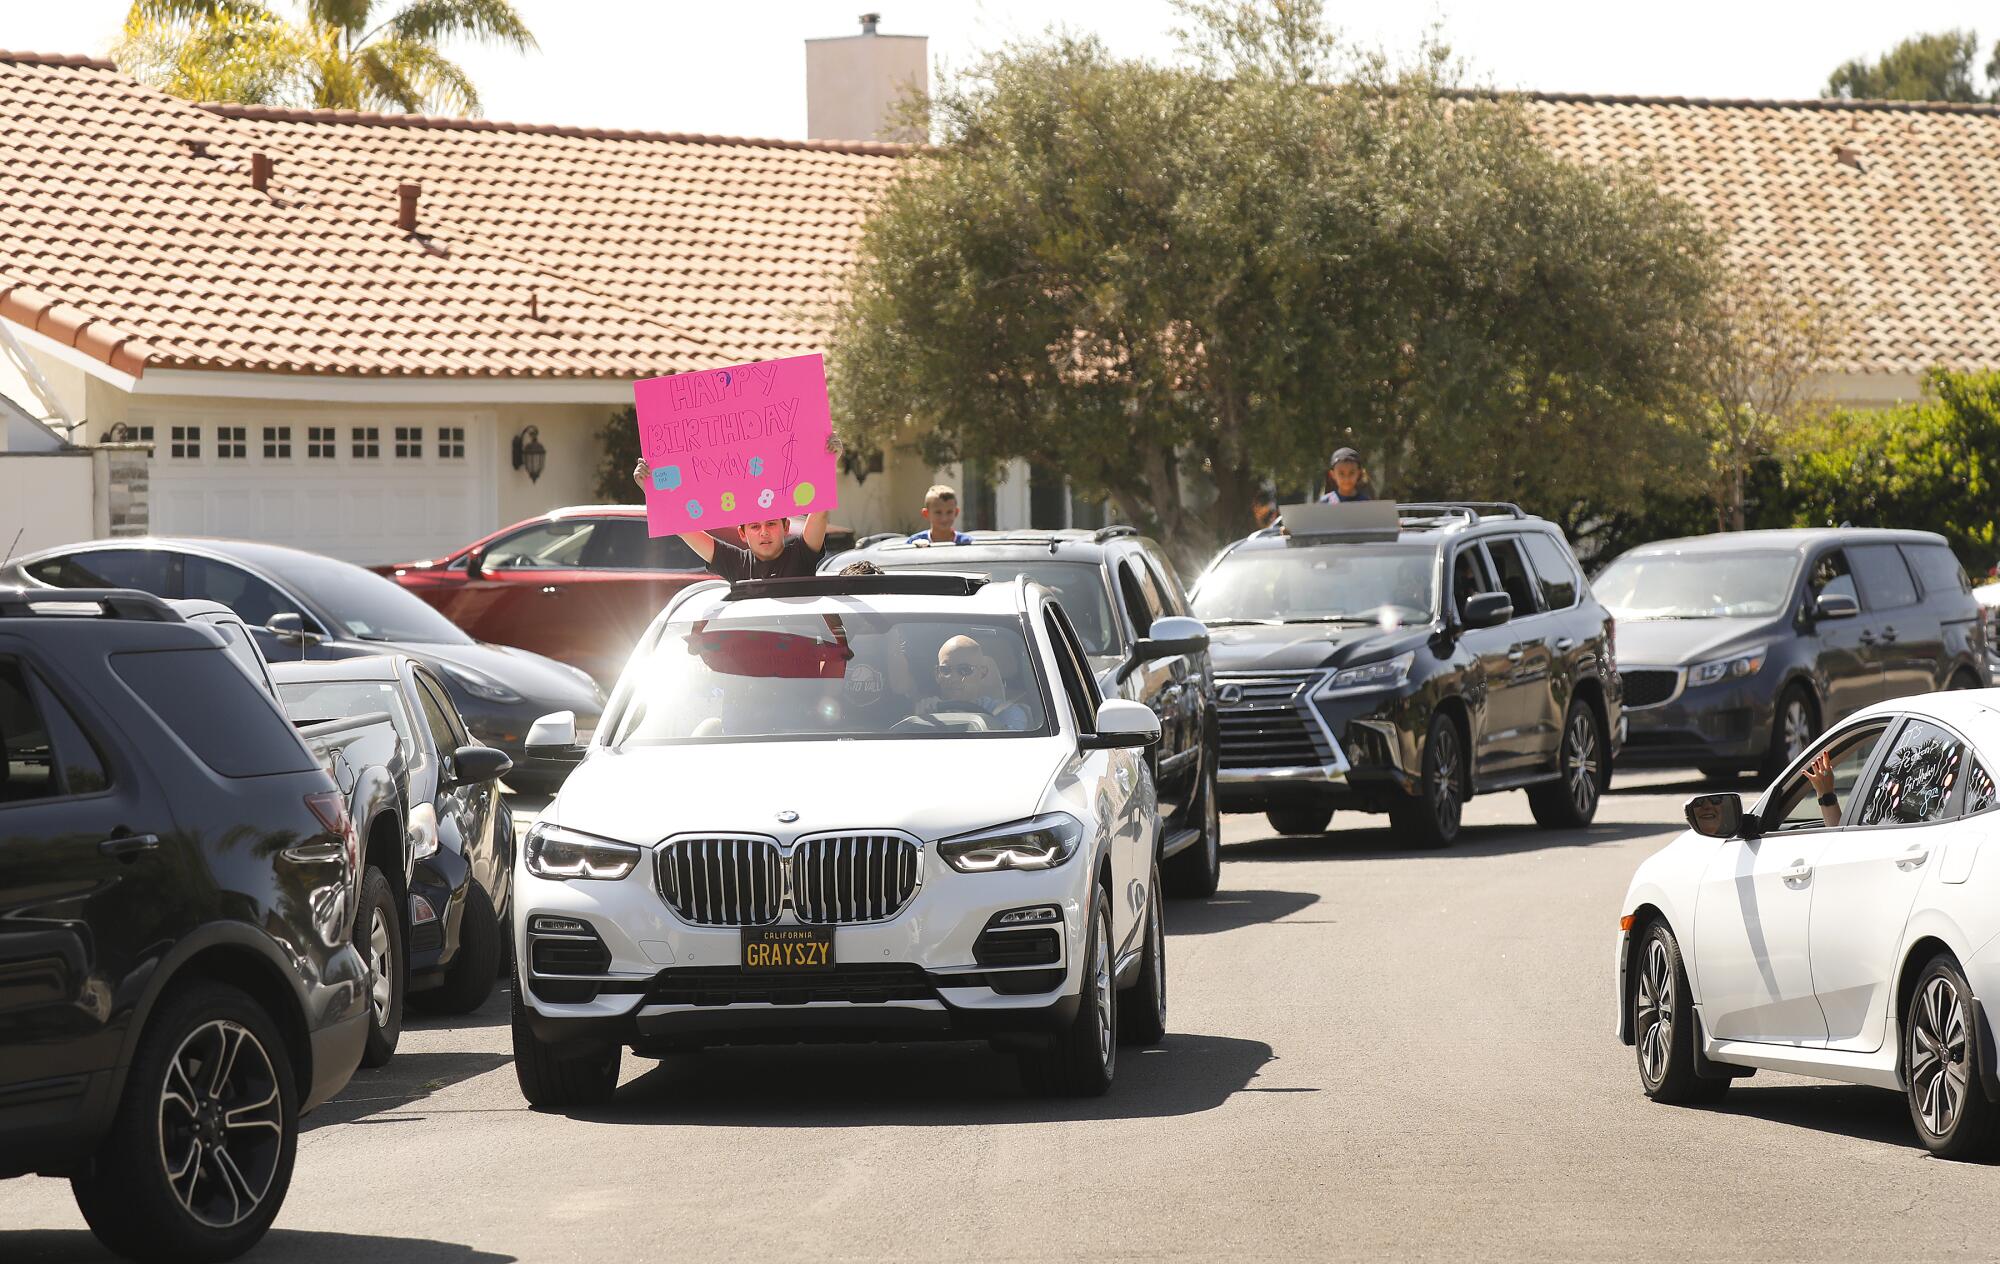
866,807
1851,940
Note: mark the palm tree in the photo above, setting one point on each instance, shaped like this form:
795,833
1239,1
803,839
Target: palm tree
337,54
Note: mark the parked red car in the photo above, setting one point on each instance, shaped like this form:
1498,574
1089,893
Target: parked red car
578,584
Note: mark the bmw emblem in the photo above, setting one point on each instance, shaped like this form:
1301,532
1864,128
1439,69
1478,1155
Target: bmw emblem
1229,695
787,816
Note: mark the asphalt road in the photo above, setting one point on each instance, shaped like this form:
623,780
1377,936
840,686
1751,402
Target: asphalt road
1374,1054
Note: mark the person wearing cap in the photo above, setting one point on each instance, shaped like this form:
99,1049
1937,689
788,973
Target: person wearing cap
1344,470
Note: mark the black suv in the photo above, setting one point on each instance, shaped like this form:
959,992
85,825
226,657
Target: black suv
1132,615
1401,665
177,886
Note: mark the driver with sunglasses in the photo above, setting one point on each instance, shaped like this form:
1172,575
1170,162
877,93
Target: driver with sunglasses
969,680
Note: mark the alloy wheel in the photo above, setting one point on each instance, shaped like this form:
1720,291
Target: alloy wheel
1446,791
1100,967
1653,1011
1798,729
222,1127
380,967
1939,1070
1580,757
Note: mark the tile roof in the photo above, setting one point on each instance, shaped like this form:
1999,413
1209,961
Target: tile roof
129,228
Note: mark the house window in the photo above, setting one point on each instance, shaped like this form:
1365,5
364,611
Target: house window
120,432
451,443
367,443
185,443
277,443
231,443
409,443
319,443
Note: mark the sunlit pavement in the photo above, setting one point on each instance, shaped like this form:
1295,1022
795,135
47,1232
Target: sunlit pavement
1375,1053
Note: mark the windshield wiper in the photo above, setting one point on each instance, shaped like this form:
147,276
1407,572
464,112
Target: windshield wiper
1241,623
1335,618
369,636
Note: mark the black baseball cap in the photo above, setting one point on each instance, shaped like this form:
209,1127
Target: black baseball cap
1343,454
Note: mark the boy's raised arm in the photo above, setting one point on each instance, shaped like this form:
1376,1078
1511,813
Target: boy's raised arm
701,542
814,533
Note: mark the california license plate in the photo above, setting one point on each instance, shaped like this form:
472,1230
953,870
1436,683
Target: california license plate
788,948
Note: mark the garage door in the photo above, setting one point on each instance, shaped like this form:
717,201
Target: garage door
367,492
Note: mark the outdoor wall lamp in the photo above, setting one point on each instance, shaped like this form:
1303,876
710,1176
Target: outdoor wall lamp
529,454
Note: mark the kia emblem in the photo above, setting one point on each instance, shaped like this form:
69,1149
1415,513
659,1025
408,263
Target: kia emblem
787,816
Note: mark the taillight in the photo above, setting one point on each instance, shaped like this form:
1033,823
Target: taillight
330,806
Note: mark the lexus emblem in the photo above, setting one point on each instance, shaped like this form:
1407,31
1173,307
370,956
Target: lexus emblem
1229,695
787,816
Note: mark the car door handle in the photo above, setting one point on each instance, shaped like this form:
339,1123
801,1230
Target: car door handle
314,853
1564,644
1889,634
125,846
1516,654
1799,874
1124,775
1867,638
1913,857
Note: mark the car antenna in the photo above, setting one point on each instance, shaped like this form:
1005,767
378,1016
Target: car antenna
10,548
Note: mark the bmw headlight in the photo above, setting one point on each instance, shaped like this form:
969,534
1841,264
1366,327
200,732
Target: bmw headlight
479,684
1390,671
553,852
1041,842
1742,663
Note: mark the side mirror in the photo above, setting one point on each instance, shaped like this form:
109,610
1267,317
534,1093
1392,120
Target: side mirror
475,564
1170,635
1122,725
290,627
1720,816
471,765
554,737
1835,606
1488,609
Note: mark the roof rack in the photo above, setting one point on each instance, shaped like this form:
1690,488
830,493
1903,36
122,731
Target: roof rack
880,537
110,603
1477,508
1115,530
924,583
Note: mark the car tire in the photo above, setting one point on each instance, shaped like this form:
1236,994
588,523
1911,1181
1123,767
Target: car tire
1948,1106
247,1117
1433,817
378,937
1083,1058
554,1079
1196,871
1300,820
1663,1023
1963,678
1582,760
469,980
1794,725
1142,1010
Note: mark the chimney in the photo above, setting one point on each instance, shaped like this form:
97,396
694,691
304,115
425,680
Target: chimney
260,172
856,85
406,212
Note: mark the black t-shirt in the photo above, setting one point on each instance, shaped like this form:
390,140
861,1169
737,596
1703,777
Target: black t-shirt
733,562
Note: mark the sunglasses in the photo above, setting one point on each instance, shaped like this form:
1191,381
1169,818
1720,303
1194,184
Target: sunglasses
964,671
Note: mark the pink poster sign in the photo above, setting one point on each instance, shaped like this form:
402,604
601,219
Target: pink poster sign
739,444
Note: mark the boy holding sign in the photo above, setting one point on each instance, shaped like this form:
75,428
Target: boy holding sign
769,552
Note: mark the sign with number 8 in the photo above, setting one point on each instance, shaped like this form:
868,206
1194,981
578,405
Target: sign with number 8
766,498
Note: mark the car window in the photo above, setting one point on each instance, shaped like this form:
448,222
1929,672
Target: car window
1885,581
437,717
1080,586
148,570
555,545
243,649
1074,675
1512,569
43,752
1794,805
1469,576
253,600
1831,577
1168,579
1387,584
1138,607
1937,570
1914,782
1979,791
621,544
314,701
207,701
1554,570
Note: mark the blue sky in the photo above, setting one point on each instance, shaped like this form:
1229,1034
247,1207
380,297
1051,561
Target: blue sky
739,68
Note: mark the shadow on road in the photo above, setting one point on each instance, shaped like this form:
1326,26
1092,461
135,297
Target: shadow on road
1691,783
1232,910
409,1077
1847,1110
1380,843
285,1246
930,1085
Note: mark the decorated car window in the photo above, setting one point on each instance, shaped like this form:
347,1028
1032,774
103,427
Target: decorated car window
1980,795
1915,781
1795,805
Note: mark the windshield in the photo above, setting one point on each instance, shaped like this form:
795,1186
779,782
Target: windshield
1697,585
1388,584
1078,585
803,677
366,606
311,701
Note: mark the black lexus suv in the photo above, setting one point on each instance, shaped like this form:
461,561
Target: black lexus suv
177,886
1402,664
1144,643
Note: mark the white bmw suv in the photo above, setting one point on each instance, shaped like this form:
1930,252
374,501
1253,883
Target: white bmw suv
845,808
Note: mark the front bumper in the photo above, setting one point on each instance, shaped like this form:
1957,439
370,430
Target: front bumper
1284,744
664,981
1711,725
437,909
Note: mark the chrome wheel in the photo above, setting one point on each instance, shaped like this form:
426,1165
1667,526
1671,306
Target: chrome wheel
1580,762
1447,790
381,964
1797,726
222,1129
1100,982
1653,1011
1939,1070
